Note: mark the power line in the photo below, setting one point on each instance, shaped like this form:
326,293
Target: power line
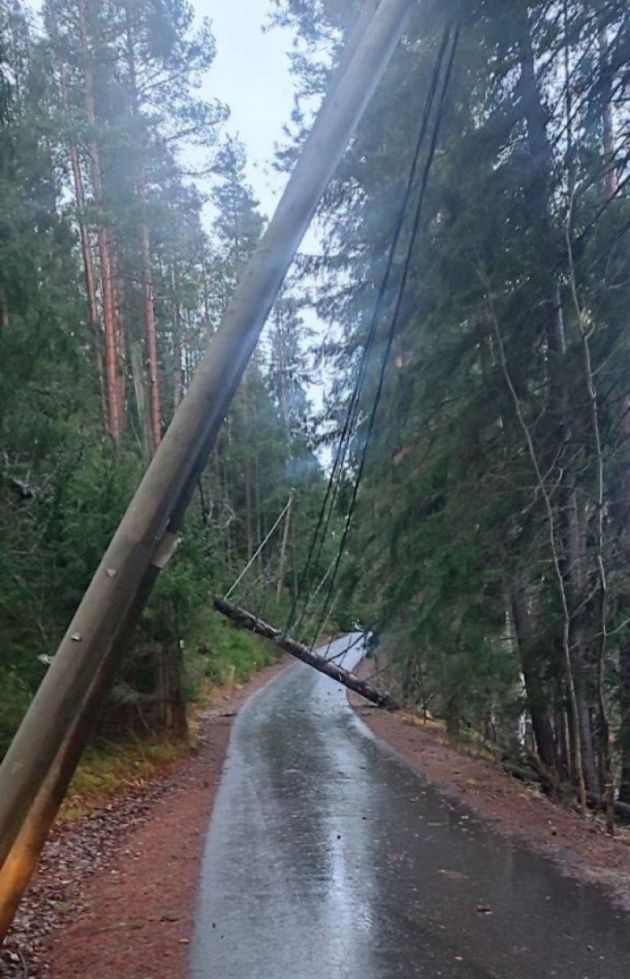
393,324
238,580
334,481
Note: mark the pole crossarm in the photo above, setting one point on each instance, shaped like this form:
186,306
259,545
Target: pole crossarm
382,698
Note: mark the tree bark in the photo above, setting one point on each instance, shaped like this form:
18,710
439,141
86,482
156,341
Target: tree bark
170,691
532,662
139,387
179,374
4,310
623,524
539,195
584,665
610,170
110,327
150,333
248,621
249,444
453,718
148,304
84,235
563,752
624,737
283,549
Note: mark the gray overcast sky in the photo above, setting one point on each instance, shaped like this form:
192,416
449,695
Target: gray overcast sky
251,74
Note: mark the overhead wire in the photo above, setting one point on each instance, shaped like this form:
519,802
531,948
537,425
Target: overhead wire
258,550
393,325
353,407
328,504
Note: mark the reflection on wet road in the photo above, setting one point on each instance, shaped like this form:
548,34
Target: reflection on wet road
329,858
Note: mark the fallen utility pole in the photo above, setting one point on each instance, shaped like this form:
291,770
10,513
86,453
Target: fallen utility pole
250,622
147,535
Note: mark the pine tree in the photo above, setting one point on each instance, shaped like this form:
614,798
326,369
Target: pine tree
477,545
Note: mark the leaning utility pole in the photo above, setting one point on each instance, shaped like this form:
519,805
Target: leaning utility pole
72,690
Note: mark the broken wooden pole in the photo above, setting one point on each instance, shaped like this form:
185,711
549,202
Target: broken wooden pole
350,680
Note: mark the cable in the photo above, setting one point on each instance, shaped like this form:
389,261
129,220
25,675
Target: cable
353,409
256,552
328,503
393,325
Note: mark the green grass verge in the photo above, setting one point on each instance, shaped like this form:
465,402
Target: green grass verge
109,767
223,653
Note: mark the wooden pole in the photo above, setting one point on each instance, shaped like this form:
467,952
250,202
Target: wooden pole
248,621
17,869
146,536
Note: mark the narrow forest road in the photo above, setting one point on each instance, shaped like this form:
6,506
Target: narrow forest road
329,858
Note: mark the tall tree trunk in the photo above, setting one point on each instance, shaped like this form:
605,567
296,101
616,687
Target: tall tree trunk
84,234
150,333
121,339
535,117
249,495
260,530
148,304
623,520
178,374
4,310
139,388
178,370
229,543
624,737
169,689
623,529
110,326
576,559
88,269
563,743
94,322
610,170
453,719
526,626
283,549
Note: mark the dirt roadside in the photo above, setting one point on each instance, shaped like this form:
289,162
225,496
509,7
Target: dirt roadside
580,848
115,893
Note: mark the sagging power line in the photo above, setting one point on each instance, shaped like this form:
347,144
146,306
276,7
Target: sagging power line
321,528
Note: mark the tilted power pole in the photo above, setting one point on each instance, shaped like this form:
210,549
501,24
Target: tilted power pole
56,726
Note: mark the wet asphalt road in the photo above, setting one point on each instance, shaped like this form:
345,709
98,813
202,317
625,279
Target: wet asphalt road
328,857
